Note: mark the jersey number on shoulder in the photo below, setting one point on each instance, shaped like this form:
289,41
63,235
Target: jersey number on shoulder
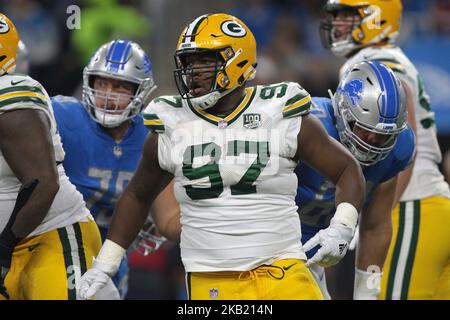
114,189
211,169
267,92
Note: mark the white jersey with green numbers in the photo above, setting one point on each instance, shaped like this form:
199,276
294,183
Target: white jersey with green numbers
234,176
22,92
426,180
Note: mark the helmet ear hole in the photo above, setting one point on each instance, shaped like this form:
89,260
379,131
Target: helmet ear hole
242,63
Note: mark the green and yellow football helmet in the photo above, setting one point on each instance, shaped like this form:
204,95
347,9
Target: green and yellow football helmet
379,21
9,40
232,44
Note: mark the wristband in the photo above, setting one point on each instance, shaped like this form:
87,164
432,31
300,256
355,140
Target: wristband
367,285
346,214
111,253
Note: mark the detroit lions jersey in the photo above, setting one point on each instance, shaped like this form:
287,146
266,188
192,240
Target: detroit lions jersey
315,195
234,176
426,180
97,165
22,92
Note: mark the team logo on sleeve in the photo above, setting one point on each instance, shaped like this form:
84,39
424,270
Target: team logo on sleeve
233,29
252,120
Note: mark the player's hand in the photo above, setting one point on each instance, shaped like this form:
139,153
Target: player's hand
333,242
6,254
95,279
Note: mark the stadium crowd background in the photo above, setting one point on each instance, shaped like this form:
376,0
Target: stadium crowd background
289,47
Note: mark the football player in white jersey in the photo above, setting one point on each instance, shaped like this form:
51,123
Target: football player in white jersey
47,236
232,151
366,30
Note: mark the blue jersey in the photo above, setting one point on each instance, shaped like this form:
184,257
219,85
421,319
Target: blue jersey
95,163
315,193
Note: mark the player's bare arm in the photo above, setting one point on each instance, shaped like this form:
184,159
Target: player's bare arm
376,227
133,206
27,147
165,211
332,160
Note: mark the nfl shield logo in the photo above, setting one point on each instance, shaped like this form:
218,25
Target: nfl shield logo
222,124
117,150
252,120
213,293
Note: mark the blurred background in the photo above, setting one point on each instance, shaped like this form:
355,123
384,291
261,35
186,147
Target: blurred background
60,44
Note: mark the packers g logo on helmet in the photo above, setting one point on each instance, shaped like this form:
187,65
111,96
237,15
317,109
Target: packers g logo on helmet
9,41
4,28
232,44
233,29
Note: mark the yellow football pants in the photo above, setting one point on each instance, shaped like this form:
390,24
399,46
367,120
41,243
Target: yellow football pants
287,279
418,262
49,266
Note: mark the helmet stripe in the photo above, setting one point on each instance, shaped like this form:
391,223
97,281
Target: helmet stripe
117,54
391,92
110,50
192,28
124,57
380,81
390,106
397,95
119,51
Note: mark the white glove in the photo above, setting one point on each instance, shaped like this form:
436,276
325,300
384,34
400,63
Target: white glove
367,284
355,240
334,242
108,292
95,279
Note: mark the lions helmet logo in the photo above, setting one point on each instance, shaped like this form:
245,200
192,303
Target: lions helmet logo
233,29
353,90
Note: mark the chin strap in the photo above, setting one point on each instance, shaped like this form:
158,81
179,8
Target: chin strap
209,100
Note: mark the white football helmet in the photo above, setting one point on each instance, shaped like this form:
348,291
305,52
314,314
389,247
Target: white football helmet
370,97
121,60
